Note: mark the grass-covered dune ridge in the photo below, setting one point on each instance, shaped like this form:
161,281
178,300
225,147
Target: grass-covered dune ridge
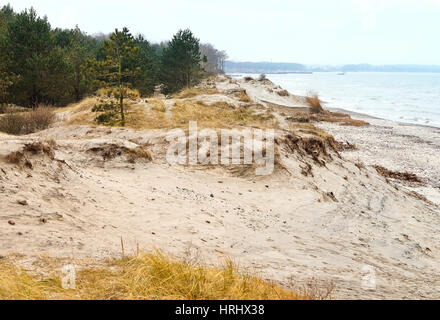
149,276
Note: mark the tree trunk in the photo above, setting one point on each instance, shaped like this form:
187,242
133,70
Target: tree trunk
121,106
77,95
121,95
77,88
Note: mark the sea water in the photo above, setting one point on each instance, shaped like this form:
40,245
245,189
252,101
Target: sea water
403,97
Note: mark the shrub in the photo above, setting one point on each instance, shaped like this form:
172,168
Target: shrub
132,94
314,103
12,123
244,97
104,107
25,123
40,118
108,118
109,113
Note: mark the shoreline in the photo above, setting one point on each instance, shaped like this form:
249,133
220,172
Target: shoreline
397,146
334,105
368,116
402,147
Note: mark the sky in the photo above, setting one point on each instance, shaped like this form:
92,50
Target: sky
314,32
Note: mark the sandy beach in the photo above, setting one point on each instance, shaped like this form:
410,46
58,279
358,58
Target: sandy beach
324,214
396,146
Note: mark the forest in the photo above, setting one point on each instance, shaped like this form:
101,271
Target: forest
52,66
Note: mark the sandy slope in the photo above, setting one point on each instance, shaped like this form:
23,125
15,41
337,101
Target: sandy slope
396,146
327,224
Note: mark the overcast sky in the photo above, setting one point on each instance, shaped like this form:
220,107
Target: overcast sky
305,31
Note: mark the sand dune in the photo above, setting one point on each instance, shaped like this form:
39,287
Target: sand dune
320,215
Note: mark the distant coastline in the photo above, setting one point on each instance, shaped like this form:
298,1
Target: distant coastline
292,68
239,75
290,72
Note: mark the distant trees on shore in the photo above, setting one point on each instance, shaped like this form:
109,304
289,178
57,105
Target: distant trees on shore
215,59
39,64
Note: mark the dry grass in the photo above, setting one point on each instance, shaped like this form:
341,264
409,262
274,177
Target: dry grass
158,105
220,115
318,290
145,277
41,118
85,105
194,92
188,93
39,147
156,115
4,109
27,122
403,176
300,117
81,113
314,103
13,123
139,153
216,115
347,146
315,142
418,196
15,284
326,116
139,117
35,148
14,157
283,93
244,97
309,141
112,150
343,119
355,123
309,129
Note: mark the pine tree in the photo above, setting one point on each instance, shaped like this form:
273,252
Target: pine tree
115,72
149,61
6,77
30,46
180,64
77,54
